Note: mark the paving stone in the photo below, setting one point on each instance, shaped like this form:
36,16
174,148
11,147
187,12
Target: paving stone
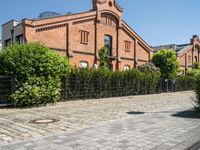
104,125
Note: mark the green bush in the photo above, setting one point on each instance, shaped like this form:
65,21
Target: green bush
197,90
166,61
151,75
184,83
193,72
37,91
37,69
24,61
196,65
88,83
148,68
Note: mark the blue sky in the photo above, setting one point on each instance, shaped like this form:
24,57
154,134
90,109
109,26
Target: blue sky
156,21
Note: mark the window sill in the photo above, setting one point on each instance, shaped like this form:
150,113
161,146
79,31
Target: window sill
127,50
85,43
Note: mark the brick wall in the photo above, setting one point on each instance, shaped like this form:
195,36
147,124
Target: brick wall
63,34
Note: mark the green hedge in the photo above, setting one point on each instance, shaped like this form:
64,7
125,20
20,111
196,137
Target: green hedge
88,83
197,90
185,83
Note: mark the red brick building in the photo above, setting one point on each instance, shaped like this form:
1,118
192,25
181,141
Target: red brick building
187,54
80,36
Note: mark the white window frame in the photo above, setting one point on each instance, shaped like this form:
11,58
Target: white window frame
83,64
127,67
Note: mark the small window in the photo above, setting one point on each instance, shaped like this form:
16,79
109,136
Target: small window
126,67
127,45
83,64
84,37
7,42
19,39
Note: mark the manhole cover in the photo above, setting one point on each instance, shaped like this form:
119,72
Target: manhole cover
43,121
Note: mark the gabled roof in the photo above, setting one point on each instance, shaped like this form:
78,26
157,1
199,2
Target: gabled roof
177,48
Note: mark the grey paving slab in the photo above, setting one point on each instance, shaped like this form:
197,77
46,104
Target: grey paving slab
167,123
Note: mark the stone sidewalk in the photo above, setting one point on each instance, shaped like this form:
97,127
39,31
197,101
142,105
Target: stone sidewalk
165,122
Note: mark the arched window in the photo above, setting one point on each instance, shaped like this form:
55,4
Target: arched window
126,67
83,64
108,44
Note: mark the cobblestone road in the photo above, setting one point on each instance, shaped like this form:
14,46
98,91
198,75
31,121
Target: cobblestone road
141,122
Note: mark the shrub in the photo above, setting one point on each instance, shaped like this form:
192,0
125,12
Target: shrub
167,62
151,75
148,68
184,83
197,90
37,91
38,71
87,83
193,72
196,65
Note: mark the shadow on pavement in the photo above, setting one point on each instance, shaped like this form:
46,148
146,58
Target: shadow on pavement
187,114
135,113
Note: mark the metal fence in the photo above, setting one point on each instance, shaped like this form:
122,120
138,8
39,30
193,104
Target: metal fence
78,88
6,88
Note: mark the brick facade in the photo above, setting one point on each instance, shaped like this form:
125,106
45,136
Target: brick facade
190,55
80,36
187,54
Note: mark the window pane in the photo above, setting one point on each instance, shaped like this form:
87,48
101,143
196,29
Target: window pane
126,67
83,64
108,44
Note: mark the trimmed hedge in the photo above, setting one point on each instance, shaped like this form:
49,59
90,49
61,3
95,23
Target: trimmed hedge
197,90
88,83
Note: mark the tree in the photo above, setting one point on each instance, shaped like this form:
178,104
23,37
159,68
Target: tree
166,61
